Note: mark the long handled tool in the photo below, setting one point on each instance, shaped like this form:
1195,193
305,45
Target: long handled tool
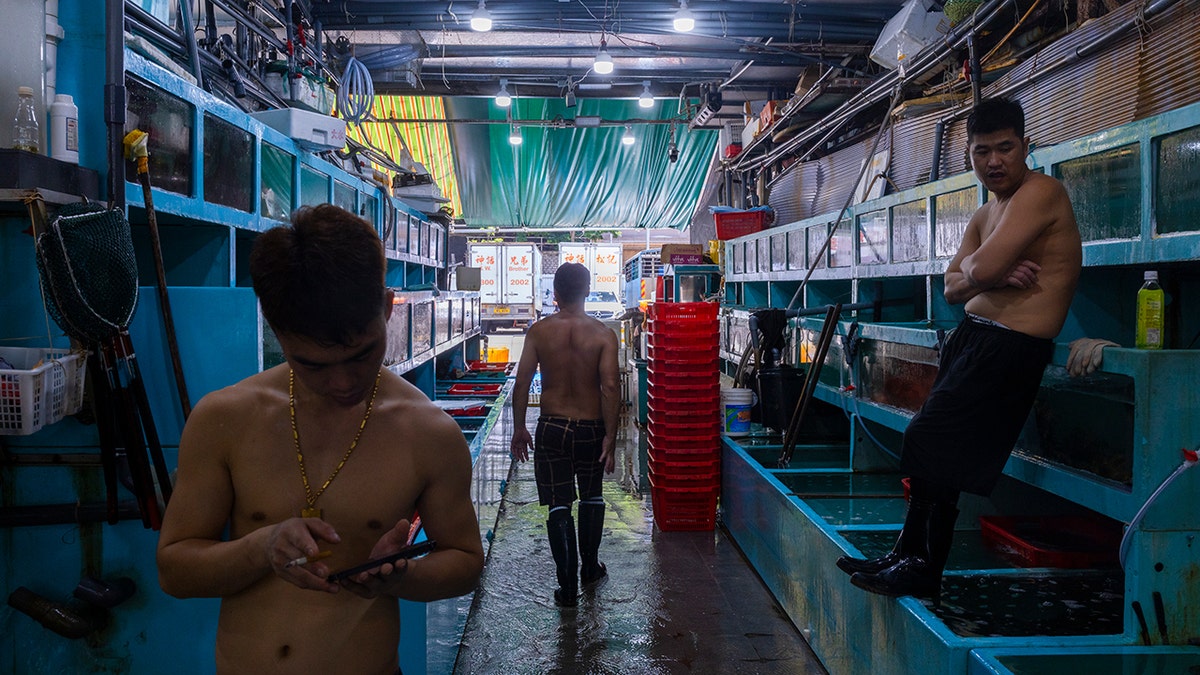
87,266
810,382
136,147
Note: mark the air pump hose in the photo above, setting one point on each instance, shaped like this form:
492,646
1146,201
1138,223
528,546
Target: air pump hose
1190,459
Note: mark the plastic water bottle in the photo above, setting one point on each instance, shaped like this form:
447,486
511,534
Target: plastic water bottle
1150,301
64,129
26,135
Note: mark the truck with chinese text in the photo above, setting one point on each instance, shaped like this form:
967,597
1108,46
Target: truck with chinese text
509,284
604,263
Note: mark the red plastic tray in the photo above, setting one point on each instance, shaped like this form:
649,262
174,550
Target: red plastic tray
1054,541
485,367
684,508
490,389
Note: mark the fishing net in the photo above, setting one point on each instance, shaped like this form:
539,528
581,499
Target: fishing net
88,271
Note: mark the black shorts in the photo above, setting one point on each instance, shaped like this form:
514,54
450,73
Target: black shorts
988,377
565,452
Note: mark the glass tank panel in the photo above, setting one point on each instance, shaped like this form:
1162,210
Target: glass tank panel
1177,183
796,250
422,328
427,238
873,238
414,236
952,211
779,259
897,374
816,245
314,187
442,325
1085,423
228,164
764,255
1106,192
398,334
343,196
910,231
739,258
276,197
369,209
841,249
751,256
168,120
456,316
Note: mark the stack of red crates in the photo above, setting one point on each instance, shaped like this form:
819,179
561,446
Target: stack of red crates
684,397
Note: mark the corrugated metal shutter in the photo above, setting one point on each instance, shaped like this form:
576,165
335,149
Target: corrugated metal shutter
912,152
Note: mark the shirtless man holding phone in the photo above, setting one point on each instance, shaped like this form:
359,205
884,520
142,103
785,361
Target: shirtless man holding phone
329,451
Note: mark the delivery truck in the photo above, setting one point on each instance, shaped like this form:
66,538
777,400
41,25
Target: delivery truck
510,278
604,262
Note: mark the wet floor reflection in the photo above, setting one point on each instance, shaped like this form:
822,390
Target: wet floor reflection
675,602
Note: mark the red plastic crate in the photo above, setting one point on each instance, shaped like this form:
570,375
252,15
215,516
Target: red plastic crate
1054,541
668,312
705,354
665,371
685,339
685,447
687,390
692,468
734,224
684,508
658,330
490,389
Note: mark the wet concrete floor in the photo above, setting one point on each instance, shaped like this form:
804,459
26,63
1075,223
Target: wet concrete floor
674,602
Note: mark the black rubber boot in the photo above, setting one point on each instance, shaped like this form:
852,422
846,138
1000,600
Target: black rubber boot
591,529
561,530
918,574
909,542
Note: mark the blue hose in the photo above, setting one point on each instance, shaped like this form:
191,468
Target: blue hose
356,93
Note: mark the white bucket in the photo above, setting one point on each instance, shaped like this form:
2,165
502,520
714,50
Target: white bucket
736,405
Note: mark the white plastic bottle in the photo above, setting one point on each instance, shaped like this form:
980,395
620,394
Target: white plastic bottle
64,129
26,134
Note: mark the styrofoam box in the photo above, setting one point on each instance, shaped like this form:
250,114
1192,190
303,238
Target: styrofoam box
46,385
310,129
912,29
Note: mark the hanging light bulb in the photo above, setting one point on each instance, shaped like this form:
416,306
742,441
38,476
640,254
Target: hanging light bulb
481,18
503,99
684,21
628,138
646,100
514,136
604,63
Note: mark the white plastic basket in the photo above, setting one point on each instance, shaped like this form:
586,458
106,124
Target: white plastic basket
46,386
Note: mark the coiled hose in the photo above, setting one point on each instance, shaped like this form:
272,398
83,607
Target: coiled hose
356,93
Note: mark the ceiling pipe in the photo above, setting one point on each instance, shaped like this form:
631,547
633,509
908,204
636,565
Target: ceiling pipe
882,88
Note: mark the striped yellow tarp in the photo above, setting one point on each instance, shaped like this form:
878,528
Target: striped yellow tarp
428,143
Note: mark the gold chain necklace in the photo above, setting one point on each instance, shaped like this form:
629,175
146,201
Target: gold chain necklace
310,497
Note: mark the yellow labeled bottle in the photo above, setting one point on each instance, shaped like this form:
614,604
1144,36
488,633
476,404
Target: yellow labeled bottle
1150,301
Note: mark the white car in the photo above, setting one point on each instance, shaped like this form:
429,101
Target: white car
603,305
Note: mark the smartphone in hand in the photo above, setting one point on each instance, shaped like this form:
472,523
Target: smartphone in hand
407,552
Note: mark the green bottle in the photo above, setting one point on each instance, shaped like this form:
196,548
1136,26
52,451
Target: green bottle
1150,301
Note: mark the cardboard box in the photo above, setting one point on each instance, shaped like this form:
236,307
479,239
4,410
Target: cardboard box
771,113
682,254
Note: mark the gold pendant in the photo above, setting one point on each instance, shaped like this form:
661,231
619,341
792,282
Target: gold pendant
311,512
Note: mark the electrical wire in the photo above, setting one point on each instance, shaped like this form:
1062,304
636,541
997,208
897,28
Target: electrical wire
356,93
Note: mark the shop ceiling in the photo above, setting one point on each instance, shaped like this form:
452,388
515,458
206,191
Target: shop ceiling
543,53
747,50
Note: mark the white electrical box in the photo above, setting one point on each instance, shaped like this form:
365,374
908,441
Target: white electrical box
915,27
312,130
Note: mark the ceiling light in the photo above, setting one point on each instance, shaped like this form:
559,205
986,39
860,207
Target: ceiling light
503,99
684,21
628,138
604,63
514,136
646,100
481,18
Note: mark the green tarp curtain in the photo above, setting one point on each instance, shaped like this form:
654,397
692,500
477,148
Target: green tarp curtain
577,177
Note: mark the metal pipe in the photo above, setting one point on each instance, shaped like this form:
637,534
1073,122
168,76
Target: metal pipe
935,171
114,99
189,38
976,69
922,62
